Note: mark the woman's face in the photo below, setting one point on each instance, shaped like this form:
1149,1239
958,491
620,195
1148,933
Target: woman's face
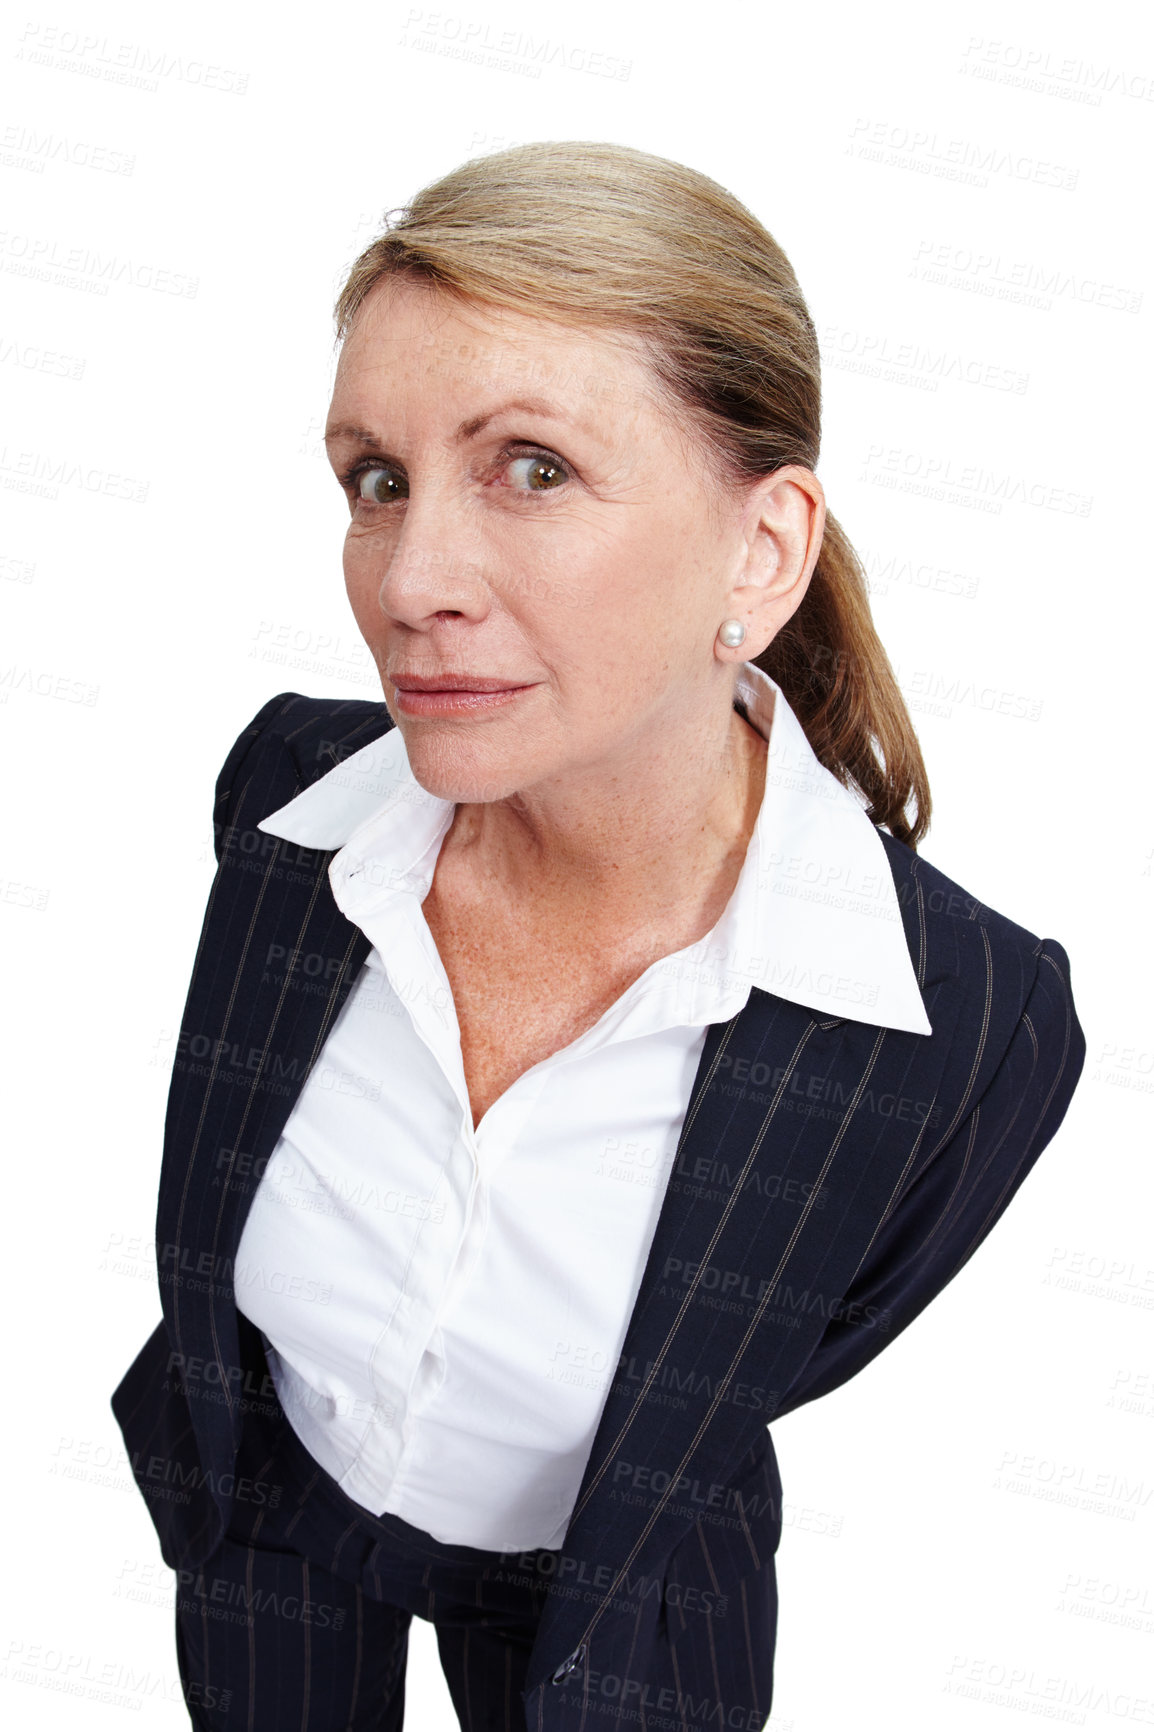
526,510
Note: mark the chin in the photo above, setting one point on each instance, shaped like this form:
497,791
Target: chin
454,770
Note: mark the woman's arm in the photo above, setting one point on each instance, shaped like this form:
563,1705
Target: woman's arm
961,1188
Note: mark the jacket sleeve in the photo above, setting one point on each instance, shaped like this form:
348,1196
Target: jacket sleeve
962,1188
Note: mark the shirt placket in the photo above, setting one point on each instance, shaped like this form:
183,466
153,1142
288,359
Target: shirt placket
443,1258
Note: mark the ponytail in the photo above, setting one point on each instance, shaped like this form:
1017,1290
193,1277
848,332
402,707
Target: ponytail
836,677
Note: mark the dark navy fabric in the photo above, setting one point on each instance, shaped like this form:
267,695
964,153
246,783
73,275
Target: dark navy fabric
300,1617
831,1178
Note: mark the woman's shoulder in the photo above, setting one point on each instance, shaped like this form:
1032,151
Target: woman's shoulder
977,965
315,733
290,742
927,894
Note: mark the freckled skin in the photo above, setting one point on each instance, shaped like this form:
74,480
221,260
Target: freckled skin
583,548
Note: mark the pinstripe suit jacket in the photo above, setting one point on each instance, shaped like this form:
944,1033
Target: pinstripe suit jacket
831,1177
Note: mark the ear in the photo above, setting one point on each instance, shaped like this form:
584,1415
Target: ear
782,529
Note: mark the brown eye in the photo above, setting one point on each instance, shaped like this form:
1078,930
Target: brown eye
381,486
537,473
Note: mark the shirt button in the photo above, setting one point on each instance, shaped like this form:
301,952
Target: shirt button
569,1665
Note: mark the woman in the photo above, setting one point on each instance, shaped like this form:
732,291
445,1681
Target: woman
581,1067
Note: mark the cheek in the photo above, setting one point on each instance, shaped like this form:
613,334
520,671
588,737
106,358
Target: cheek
610,558
659,572
361,582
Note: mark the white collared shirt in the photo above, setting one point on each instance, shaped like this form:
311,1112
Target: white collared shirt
444,1307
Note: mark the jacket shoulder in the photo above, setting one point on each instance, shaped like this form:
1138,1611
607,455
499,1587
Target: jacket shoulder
290,742
964,950
315,733
321,732
999,998
935,908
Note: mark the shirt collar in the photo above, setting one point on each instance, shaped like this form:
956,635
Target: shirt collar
815,913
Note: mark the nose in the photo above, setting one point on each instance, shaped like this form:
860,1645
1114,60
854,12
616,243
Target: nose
432,568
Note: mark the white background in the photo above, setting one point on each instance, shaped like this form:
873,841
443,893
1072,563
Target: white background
963,193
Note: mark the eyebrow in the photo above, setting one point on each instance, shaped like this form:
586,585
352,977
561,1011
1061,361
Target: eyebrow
516,406
468,429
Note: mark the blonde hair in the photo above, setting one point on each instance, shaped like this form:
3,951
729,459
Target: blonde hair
605,236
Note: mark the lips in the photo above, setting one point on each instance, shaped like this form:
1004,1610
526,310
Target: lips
453,683
434,699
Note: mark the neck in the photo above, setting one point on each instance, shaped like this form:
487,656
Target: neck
663,826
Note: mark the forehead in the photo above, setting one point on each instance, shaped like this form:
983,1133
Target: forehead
408,329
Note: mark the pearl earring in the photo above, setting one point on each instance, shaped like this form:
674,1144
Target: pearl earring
732,633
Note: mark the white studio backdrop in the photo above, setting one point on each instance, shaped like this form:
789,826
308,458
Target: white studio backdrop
962,192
